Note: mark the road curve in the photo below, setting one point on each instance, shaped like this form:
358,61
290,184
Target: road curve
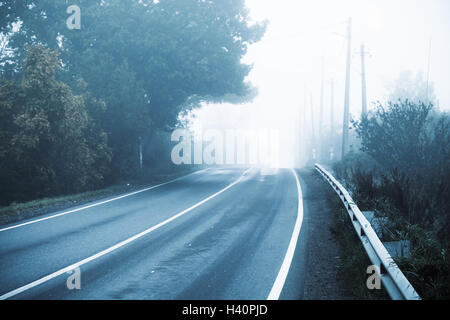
222,233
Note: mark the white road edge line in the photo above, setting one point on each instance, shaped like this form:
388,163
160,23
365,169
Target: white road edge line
282,274
97,203
116,246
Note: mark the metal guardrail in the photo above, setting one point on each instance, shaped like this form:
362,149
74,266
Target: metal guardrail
394,281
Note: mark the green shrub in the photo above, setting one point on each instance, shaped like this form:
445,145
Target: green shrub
403,173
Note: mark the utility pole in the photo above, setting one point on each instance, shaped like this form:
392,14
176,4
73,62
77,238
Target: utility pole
305,133
313,140
363,81
297,135
331,108
320,142
330,138
347,92
428,72
305,106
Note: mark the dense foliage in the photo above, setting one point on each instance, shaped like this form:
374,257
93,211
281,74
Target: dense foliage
411,146
126,76
50,142
403,173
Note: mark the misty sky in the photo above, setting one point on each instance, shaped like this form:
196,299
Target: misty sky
397,34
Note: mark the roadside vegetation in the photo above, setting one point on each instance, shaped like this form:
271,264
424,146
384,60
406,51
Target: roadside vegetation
354,260
82,110
402,172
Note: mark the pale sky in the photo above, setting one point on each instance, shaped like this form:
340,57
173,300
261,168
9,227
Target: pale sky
396,33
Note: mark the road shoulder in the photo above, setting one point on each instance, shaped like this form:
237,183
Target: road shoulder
323,259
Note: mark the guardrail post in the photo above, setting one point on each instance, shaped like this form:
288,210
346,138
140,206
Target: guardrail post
395,282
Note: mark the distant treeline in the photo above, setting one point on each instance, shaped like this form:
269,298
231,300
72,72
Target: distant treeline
76,105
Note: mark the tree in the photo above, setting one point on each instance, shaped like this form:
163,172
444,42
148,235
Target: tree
145,59
411,147
50,144
412,88
395,135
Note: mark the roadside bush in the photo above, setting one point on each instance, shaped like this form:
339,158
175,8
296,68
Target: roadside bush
403,173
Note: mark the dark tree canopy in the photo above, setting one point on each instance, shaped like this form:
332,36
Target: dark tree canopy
163,52
128,73
49,142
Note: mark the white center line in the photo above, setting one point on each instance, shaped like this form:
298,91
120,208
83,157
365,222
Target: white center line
95,204
116,246
282,274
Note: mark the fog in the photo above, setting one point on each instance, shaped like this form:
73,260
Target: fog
116,157
398,36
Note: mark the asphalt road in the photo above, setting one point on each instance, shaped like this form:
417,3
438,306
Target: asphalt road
214,234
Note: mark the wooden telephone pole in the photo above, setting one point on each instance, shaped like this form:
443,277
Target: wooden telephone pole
347,92
332,108
313,133
320,133
363,80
